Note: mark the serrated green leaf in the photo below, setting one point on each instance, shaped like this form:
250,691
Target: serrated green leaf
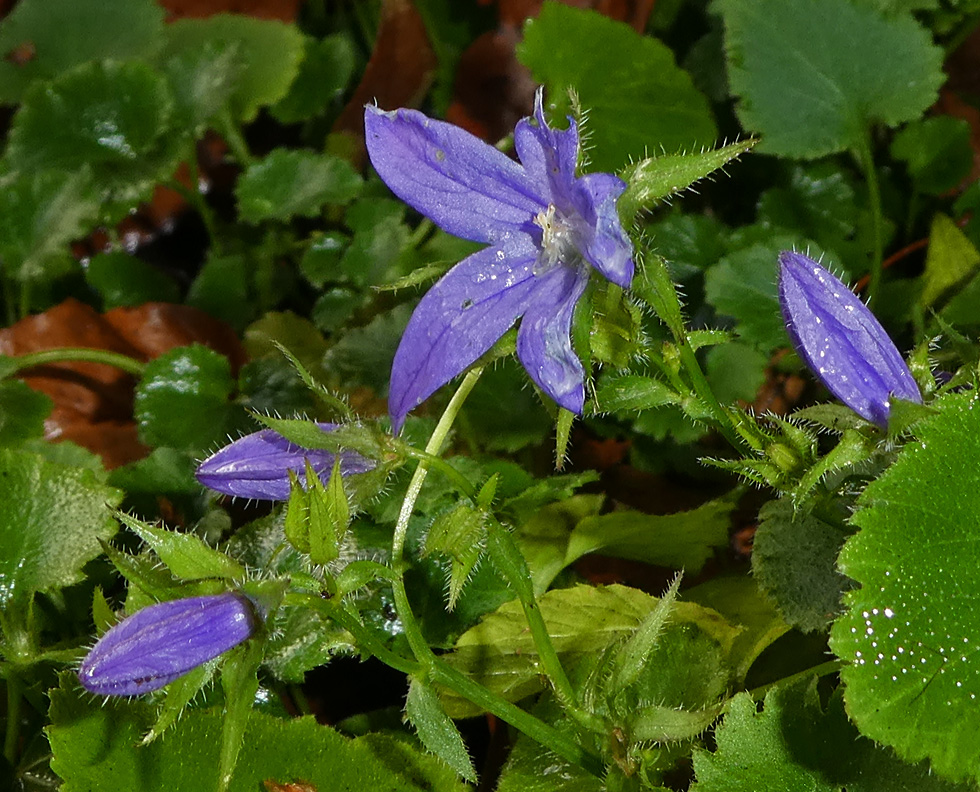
636,97
114,117
950,261
793,745
124,280
583,622
363,356
909,635
186,555
61,34
684,540
655,179
22,412
814,75
182,401
324,73
794,560
40,214
436,731
93,744
269,51
290,183
52,518
937,151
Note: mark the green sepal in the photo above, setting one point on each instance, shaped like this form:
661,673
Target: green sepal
329,514
185,554
461,534
631,658
653,180
240,683
179,694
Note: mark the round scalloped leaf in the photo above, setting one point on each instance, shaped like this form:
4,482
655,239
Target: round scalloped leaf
813,75
909,635
53,36
111,116
269,52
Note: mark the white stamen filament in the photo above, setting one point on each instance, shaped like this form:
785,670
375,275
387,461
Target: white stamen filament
557,240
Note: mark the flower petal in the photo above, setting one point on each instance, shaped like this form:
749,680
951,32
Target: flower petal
605,245
257,465
458,320
550,156
161,642
544,344
841,340
467,187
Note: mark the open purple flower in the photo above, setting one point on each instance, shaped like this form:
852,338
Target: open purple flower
258,465
162,642
543,226
841,341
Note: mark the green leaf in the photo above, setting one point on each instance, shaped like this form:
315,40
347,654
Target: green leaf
436,731
269,51
363,356
203,80
794,560
22,412
793,745
653,180
739,599
52,518
40,214
684,540
164,472
112,116
583,622
185,554
320,262
182,400
223,289
743,285
124,280
937,151
950,261
736,371
631,659
290,183
635,95
325,72
93,744
61,34
813,75
909,635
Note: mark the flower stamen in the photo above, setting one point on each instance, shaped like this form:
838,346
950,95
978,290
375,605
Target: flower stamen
557,240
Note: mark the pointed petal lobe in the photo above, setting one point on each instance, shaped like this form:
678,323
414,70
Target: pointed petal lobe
465,186
544,344
605,245
550,156
458,320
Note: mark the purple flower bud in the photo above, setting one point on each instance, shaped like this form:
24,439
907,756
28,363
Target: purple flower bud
257,465
156,645
841,341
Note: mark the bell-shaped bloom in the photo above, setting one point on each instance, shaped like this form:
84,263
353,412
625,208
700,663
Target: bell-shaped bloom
544,228
162,642
257,465
841,341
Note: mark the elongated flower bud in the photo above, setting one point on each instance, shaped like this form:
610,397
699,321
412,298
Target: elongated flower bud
841,341
257,465
156,645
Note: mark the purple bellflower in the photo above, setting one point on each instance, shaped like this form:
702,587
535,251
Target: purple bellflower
162,642
257,465
544,228
841,341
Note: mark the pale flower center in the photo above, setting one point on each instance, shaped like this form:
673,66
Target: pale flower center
558,240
